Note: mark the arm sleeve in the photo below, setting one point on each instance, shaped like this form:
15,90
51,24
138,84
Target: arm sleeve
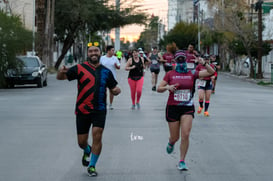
72,73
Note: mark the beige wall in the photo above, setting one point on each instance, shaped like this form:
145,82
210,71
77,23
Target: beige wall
23,8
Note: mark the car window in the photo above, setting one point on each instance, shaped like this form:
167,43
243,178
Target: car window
30,61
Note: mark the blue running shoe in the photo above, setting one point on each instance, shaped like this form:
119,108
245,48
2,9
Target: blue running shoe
182,166
170,148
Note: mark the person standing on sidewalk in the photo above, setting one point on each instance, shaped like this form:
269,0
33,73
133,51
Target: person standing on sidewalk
204,87
155,58
135,66
111,62
180,106
93,79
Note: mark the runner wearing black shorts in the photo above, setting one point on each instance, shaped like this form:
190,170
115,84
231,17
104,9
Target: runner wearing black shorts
93,81
180,106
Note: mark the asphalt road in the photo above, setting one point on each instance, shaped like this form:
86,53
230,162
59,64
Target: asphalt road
38,135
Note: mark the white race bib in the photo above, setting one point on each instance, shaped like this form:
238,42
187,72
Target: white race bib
201,83
190,65
182,95
154,62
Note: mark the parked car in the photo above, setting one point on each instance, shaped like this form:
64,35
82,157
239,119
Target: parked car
33,71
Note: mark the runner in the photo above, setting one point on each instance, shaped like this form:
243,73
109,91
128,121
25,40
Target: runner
180,105
135,66
93,78
191,57
155,58
111,62
216,63
204,88
168,57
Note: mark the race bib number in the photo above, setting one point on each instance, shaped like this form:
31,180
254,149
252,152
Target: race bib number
201,83
154,62
182,95
168,64
190,65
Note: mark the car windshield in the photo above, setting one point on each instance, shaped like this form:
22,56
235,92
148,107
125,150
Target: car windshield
29,61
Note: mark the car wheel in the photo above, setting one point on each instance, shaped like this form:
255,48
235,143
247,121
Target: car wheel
40,83
45,82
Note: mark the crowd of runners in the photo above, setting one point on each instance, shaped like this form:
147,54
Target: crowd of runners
184,72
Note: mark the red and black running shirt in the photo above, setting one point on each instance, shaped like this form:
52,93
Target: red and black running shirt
92,84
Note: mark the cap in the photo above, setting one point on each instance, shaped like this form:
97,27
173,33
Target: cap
179,54
141,52
206,56
139,49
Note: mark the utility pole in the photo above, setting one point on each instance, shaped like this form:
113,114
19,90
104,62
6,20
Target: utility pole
258,7
117,30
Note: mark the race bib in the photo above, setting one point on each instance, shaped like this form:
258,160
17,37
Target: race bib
168,64
154,62
201,83
190,65
182,95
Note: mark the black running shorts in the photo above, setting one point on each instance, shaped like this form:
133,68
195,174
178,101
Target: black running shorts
83,122
174,113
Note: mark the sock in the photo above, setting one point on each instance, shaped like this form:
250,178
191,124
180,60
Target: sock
87,149
181,161
201,103
207,105
94,159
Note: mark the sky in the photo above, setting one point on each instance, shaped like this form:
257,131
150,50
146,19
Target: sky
156,7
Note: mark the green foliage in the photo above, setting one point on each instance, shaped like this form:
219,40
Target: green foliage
90,16
238,48
182,34
14,39
148,38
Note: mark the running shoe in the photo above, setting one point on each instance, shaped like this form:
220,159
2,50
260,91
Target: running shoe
111,107
206,114
170,148
92,171
199,110
85,158
137,105
133,107
182,166
154,88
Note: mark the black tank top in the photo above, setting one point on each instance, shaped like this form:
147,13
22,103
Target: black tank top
137,72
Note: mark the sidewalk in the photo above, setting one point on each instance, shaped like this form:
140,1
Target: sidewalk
264,82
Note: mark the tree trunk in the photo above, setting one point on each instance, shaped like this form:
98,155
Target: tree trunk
46,42
40,11
252,72
68,42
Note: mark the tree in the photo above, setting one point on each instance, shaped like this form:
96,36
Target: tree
231,17
14,39
84,17
182,34
148,38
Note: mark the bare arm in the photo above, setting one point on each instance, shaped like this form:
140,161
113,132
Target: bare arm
163,86
128,65
61,74
115,91
205,73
